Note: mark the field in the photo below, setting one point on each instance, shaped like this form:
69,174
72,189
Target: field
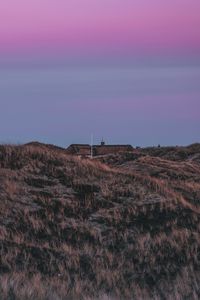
122,226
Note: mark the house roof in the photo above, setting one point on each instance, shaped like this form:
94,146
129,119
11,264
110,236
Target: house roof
80,145
112,146
100,146
86,148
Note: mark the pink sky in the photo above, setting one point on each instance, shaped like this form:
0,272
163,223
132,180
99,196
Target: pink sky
147,26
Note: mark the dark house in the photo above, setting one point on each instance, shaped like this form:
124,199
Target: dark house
79,149
102,149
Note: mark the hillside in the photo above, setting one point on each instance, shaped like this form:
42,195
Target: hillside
122,226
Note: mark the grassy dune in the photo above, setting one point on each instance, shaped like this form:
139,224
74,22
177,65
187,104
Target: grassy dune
122,226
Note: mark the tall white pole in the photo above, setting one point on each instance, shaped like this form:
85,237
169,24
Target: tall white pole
91,153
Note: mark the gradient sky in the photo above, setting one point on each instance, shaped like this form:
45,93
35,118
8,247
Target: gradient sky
88,25
125,70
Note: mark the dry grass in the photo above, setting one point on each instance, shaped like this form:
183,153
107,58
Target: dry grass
124,228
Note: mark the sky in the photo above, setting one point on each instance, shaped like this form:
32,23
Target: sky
127,71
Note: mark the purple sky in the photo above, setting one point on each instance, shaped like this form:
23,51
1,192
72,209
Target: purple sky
87,26
125,70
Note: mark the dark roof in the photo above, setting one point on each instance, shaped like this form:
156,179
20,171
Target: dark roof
84,149
79,145
100,146
113,146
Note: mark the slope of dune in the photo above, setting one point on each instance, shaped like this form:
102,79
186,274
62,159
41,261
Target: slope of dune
123,226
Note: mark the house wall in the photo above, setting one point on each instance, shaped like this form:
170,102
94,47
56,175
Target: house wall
84,152
78,150
70,150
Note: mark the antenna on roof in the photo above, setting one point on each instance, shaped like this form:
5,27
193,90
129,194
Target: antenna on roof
102,142
91,146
